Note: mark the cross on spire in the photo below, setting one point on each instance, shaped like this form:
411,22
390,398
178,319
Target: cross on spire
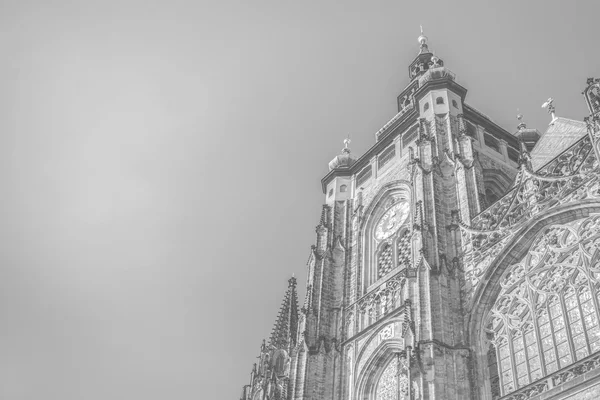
347,141
549,104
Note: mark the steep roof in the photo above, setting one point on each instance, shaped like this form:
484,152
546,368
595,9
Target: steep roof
286,327
561,134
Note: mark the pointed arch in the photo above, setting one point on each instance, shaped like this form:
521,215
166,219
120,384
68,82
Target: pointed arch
488,292
389,194
369,376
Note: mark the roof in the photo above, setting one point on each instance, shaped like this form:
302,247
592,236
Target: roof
561,134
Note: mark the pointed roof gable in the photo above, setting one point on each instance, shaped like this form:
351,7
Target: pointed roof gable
285,330
561,134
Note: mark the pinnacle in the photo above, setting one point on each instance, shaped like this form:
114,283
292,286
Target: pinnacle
286,327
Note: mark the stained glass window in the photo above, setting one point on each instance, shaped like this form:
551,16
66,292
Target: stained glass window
546,316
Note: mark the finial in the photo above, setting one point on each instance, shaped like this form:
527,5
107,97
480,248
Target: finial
550,106
347,141
521,125
423,41
292,281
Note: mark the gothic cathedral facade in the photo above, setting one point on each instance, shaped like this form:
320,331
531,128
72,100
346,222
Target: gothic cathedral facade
453,260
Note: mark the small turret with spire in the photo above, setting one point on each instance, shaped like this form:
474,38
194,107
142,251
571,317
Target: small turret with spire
285,330
424,60
527,137
345,159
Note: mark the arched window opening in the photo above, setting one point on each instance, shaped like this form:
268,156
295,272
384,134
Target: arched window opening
343,188
493,368
471,130
426,107
546,317
439,100
390,240
454,104
330,192
280,364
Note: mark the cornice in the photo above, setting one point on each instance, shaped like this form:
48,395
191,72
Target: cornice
441,83
403,123
472,115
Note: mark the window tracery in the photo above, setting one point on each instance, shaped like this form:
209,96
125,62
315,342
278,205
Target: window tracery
393,383
546,316
393,244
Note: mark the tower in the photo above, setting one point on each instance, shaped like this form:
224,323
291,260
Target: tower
419,240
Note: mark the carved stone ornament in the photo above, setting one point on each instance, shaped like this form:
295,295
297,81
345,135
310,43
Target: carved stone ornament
386,333
572,176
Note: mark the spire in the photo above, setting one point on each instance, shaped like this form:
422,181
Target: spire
521,125
285,330
423,42
424,60
347,141
527,140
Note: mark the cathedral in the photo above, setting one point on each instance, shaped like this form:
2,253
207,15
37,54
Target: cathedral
453,260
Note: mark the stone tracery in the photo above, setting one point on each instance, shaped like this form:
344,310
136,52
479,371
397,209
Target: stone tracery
545,317
570,177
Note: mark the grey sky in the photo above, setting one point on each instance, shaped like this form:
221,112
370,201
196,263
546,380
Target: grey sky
160,164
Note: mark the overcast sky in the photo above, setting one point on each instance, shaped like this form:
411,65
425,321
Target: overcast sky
160,165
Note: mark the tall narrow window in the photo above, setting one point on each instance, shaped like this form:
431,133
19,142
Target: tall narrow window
545,317
409,136
386,156
364,175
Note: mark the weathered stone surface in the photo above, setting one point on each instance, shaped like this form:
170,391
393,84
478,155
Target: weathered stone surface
490,288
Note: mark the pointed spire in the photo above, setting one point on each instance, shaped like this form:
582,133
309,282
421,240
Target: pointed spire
346,149
423,42
285,330
521,125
